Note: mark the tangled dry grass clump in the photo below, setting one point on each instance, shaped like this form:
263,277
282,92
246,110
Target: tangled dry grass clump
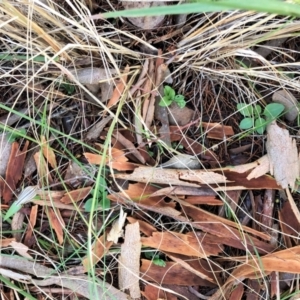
82,130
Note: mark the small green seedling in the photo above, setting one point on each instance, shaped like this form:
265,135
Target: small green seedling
170,97
256,118
155,258
102,201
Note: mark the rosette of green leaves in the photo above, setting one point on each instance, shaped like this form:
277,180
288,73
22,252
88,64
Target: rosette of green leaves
257,118
170,97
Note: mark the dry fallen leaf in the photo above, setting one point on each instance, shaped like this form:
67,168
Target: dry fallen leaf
21,249
100,248
48,152
32,222
76,195
57,223
119,89
14,170
283,156
129,261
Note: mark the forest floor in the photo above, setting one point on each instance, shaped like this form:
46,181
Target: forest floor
152,157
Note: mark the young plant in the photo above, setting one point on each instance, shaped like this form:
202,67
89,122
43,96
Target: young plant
256,118
170,97
155,257
101,197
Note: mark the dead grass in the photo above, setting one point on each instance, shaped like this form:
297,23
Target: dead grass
220,235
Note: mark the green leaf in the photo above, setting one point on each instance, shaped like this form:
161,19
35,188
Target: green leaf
179,99
88,205
245,109
69,88
169,92
257,110
148,255
165,102
273,110
260,125
105,202
268,6
247,123
12,210
159,262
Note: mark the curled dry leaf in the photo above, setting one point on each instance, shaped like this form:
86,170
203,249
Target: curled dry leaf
283,155
76,195
147,22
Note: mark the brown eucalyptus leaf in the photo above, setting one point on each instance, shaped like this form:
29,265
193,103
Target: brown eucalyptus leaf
283,155
146,22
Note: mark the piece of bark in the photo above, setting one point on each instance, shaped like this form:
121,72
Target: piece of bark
283,155
129,261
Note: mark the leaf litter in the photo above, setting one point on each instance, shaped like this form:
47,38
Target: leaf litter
210,207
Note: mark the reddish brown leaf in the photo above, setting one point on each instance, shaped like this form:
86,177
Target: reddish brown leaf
76,195
180,243
217,131
57,223
237,292
208,200
14,170
129,146
117,161
172,273
119,89
100,248
42,168
48,153
32,222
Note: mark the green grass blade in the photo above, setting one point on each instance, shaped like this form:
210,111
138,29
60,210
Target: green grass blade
268,6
